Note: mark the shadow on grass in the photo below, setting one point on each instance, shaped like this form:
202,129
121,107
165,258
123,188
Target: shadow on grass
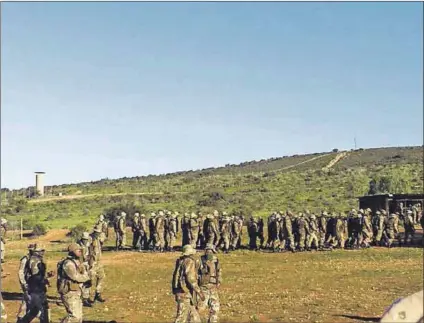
12,296
361,318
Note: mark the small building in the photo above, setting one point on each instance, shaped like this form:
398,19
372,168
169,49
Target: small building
389,202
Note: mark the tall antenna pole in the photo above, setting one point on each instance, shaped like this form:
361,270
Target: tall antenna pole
354,140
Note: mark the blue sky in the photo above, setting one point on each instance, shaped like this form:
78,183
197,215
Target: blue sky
95,90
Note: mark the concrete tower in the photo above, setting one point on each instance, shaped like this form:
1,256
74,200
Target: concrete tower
39,182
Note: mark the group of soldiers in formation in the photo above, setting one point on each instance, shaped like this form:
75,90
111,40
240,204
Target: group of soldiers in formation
195,281
285,230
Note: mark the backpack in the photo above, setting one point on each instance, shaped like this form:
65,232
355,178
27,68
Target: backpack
208,270
63,283
178,278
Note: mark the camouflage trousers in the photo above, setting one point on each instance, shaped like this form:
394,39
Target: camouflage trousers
287,238
365,238
171,238
121,239
225,242
340,240
186,311
391,236
301,241
193,240
211,302
322,239
73,305
378,236
235,240
38,304
312,239
97,275
2,250
160,240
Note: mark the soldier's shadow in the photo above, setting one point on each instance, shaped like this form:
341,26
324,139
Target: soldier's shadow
13,296
361,318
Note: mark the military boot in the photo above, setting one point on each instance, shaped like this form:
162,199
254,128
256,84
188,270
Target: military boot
99,298
86,302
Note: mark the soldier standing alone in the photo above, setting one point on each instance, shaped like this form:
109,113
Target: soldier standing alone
210,278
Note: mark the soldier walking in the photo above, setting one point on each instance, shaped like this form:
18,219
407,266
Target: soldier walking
120,226
37,287
85,243
160,231
103,225
185,287
193,229
172,231
23,275
143,243
210,278
152,228
135,228
409,228
71,276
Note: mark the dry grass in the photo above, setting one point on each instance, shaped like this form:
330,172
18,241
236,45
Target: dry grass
262,287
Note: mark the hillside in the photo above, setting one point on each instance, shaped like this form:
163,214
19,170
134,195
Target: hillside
261,186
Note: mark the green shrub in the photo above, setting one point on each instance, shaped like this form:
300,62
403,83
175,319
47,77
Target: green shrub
39,230
77,231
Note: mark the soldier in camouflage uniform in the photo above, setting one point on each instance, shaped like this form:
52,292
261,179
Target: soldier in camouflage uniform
253,230
409,228
210,278
236,228
172,231
225,234
160,231
201,236
185,287
210,230
135,228
366,229
379,226
103,225
391,229
272,241
261,232
287,230
23,275
37,287
120,226
185,228
322,228
313,233
301,231
330,239
85,243
71,276
340,231
152,228
3,230
96,271
143,243
193,229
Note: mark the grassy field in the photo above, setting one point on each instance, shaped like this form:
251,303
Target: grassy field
338,286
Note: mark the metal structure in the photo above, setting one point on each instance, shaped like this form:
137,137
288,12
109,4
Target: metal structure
39,183
389,202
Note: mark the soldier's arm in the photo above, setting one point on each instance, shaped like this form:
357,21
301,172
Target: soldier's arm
21,272
72,272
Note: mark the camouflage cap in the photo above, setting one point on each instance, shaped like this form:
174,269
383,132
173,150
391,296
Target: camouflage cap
188,250
409,212
193,215
123,213
215,212
74,247
161,213
384,212
136,214
86,235
142,215
39,247
176,213
224,213
101,217
378,212
325,213
3,221
368,210
153,214
209,216
361,211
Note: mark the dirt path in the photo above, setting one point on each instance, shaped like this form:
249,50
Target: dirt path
304,162
80,196
336,159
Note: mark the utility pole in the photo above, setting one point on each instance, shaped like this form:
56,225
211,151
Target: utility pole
354,140
22,234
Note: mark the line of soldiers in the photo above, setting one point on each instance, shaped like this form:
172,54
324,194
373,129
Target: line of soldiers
159,232
286,230
358,229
